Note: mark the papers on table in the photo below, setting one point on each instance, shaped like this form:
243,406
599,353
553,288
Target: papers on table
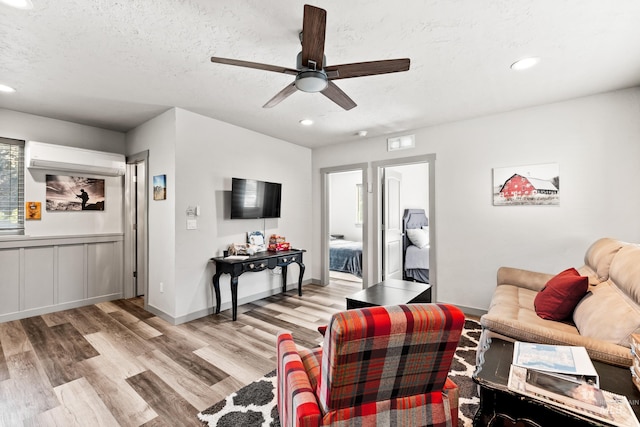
560,359
564,376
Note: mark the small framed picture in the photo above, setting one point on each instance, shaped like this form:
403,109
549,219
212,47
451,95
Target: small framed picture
33,210
160,187
256,238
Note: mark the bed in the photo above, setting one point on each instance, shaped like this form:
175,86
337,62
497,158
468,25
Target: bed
415,244
345,256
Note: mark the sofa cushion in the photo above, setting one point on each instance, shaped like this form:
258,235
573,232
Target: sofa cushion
607,314
625,271
561,294
600,254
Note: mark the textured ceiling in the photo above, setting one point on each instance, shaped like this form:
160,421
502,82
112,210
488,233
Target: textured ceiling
115,64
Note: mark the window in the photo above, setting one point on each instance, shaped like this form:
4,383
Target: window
11,186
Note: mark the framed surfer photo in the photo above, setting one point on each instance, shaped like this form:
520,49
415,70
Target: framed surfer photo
74,193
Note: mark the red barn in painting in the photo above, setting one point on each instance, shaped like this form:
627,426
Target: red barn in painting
521,186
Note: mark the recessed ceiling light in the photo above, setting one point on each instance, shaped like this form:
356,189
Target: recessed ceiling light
525,63
7,89
18,4
306,122
362,133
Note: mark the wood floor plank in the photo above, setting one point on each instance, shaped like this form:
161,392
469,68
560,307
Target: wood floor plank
13,338
28,392
117,331
137,326
76,346
108,379
185,357
4,370
179,379
125,364
164,400
83,405
56,361
133,309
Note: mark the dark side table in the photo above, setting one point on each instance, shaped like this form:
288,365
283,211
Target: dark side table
500,406
390,292
254,263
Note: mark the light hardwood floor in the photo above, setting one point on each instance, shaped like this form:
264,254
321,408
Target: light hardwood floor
114,364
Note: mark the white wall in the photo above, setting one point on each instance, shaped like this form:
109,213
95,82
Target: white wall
209,153
595,140
343,205
29,127
158,135
200,155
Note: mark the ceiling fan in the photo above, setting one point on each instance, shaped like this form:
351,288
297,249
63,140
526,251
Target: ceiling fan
311,73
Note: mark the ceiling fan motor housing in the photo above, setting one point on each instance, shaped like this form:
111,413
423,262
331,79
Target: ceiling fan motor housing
310,79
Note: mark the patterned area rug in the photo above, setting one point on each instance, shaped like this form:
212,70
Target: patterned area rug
255,404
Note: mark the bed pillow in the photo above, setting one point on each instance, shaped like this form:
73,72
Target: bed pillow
561,294
418,237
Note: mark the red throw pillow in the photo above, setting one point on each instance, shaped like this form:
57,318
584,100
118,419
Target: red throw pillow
561,294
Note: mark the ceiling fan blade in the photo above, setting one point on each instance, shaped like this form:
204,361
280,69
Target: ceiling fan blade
360,69
280,96
256,65
336,94
313,32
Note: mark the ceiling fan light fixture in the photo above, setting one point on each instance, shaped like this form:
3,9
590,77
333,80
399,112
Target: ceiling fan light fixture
18,4
525,63
311,81
6,89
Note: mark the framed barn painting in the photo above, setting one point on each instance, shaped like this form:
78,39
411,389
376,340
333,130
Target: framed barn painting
74,193
527,185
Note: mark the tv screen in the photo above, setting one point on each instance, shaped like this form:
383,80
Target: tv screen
251,198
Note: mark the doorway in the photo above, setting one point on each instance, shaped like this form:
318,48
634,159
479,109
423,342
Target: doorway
136,266
344,234
401,184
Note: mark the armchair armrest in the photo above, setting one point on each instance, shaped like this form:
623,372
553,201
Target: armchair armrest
523,278
297,402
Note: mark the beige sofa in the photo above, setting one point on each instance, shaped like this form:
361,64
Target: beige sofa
602,321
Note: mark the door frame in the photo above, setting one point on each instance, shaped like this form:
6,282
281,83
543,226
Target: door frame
129,219
324,223
377,175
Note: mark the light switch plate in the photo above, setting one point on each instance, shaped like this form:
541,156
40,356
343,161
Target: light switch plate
192,224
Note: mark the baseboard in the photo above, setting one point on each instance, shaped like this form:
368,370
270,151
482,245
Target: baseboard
57,307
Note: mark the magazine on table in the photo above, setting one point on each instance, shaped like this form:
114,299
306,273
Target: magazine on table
573,395
572,361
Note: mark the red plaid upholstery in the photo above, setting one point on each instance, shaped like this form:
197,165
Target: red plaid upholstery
378,366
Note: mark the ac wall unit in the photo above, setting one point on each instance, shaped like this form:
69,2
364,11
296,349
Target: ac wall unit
39,155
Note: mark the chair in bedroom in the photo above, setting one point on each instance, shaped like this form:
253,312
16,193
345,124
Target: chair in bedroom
377,366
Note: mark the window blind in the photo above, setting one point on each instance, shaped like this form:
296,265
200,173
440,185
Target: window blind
11,186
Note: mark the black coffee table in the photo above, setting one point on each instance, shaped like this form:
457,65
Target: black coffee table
390,292
500,406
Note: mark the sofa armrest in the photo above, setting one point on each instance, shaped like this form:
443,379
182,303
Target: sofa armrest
297,402
523,278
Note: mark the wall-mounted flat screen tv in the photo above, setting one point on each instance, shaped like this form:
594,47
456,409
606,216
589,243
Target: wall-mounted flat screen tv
252,199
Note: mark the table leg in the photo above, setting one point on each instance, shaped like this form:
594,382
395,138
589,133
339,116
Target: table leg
300,278
284,278
216,289
234,297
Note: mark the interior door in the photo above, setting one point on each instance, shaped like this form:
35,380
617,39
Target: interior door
392,226
140,230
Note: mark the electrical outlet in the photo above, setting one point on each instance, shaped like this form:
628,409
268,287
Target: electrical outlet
161,287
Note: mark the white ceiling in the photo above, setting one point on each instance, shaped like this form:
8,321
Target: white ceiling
115,64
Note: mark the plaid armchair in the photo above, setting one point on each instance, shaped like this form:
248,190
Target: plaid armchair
384,366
